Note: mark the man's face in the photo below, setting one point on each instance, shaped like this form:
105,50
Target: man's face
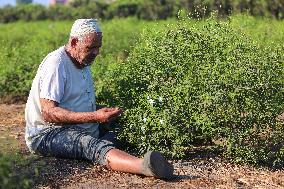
88,48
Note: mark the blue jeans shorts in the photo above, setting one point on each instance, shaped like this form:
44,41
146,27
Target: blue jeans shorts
76,143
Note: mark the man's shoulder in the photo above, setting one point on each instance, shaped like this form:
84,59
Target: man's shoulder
55,58
53,63
58,54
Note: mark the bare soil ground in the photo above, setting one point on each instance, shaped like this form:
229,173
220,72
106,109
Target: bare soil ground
196,172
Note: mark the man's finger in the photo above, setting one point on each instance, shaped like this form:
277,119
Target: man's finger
115,113
110,109
114,110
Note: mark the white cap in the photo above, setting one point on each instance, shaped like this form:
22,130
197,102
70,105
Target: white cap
82,27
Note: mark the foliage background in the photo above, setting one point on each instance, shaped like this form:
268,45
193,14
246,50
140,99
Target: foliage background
227,72
188,85
138,60
149,9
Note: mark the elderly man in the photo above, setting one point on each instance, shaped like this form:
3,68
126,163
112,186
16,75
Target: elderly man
61,115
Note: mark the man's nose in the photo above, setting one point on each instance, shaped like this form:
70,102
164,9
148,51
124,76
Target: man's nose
96,51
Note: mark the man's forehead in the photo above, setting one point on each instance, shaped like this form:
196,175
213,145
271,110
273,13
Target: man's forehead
95,35
94,39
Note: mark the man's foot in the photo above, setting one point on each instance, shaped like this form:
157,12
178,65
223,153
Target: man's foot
154,164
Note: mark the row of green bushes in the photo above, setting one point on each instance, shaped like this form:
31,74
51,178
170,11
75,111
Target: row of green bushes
186,84
150,9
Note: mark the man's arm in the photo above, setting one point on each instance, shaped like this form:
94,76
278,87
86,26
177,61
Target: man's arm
54,114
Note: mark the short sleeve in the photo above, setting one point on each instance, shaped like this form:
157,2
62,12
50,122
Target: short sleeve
52,79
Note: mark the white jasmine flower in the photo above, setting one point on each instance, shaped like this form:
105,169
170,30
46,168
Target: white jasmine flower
145,119
161,121
148,98
160,99
151,101
143,129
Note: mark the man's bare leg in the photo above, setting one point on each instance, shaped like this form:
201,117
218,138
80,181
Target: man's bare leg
153,164
118,160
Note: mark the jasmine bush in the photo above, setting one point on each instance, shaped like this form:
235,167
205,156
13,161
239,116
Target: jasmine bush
185,86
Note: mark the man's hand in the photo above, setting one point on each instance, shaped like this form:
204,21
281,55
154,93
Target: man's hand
54,114
104,115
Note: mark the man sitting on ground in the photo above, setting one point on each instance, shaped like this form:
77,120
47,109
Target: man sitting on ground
61,115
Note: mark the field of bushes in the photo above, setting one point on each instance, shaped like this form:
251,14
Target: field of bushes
208,83
148,10
183,83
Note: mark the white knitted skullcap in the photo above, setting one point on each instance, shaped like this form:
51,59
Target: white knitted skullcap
82,27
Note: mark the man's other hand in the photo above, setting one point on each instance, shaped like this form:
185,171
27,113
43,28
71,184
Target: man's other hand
104,115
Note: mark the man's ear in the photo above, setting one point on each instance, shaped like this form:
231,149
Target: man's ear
74,42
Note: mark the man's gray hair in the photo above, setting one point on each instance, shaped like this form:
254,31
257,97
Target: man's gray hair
81,27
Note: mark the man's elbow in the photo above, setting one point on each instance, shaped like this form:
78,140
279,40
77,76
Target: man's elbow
47,116
48,110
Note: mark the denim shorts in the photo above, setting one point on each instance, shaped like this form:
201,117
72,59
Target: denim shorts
76,143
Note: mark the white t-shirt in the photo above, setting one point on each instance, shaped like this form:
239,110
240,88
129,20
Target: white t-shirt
58,79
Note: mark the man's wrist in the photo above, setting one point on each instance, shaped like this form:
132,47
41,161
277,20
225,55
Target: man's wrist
95,117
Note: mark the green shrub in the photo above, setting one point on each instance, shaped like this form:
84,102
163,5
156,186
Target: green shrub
258,29
5,171
22,52
7,178
154,10
123,8
188,86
